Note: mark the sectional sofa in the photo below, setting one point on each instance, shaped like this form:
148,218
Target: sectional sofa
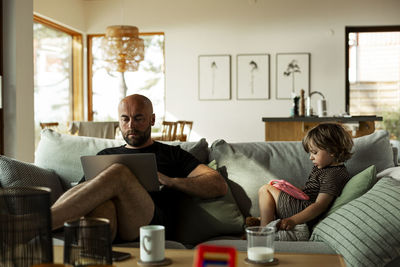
362,225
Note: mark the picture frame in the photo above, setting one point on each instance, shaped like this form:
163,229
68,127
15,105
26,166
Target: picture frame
214,77
253,76
292,74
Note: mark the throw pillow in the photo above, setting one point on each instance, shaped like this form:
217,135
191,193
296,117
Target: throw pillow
356,187
62,153
391,172
374,149
202,219
198,149
17,173
366,230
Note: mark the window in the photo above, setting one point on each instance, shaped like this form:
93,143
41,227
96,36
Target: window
1,84
57,74
104,87
373,72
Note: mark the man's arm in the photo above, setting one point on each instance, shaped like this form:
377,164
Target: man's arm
202,182
319,206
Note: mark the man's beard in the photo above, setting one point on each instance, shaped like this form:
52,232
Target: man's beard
140,138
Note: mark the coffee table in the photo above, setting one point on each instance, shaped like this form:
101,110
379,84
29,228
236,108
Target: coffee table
184,258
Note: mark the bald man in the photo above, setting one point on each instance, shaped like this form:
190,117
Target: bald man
117,195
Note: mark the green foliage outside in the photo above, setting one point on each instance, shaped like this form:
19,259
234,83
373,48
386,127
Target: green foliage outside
391,123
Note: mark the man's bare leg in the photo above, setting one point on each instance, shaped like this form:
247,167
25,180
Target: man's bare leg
106,210
134,206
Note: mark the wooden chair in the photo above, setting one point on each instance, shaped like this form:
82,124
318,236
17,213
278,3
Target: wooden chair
168,131
49,125
101,129
184,130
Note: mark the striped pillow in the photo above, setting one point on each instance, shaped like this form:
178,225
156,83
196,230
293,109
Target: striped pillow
366,230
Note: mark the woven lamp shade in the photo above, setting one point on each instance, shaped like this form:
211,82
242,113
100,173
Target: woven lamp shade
123,50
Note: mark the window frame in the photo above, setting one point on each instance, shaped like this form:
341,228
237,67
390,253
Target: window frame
1,85
90,63
77,104
349,29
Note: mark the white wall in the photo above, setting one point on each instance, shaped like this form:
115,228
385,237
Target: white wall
233,27
69,13
18,79
200,27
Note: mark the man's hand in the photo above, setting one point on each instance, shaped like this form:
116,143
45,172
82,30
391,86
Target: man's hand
202,182
163,179
286,224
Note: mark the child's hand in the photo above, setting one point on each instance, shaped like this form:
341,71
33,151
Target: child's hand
286,224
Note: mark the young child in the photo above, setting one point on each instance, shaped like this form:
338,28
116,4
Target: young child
329,145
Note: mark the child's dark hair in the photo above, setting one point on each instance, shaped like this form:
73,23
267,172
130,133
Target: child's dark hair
331,137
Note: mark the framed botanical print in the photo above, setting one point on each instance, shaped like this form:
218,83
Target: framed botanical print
292,74
214,77
253,76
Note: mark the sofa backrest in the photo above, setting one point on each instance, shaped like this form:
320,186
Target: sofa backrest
62,152
250,165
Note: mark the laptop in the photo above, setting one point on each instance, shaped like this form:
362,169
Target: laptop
142,165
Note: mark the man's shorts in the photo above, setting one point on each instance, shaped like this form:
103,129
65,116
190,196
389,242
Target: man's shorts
163,214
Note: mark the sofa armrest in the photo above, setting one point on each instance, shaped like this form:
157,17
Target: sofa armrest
18,173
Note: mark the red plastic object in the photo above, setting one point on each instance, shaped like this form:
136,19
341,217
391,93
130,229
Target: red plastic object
287,187
200,259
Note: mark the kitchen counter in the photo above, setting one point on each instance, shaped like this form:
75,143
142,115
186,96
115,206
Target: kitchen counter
295,128
326,119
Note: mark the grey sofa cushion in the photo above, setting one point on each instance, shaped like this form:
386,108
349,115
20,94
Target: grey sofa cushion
198,149
250,165
366,230
16,173
202,219
62,152
374,149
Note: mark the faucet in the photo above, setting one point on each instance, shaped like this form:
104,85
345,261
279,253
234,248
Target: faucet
321,105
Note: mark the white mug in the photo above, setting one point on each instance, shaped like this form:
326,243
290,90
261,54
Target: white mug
152,243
